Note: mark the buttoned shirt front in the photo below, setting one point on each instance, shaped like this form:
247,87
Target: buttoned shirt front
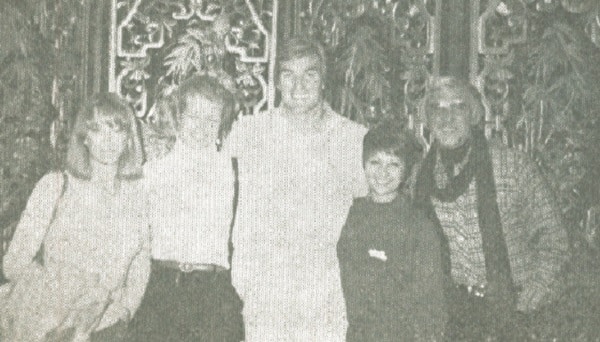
190,202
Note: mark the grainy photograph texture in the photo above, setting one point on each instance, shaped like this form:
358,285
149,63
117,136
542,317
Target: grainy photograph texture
299,170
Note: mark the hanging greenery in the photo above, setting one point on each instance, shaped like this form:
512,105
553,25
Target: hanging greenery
365,71
200,47
376,55
34,64
556,101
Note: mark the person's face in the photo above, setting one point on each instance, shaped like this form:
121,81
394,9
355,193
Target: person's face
200,123
449,115
300,82
385,172
106,142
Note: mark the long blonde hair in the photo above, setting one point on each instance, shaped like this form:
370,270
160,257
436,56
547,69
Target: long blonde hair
105,108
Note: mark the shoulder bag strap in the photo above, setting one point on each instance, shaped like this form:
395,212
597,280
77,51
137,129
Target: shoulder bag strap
236,190
39,256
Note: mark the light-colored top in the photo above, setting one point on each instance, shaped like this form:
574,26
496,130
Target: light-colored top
103,236
535,236
295,191
190,193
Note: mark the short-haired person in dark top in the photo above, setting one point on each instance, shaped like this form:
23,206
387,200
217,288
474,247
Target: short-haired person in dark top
389,253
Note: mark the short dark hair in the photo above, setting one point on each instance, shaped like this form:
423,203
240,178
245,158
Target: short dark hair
299,47
209,88
389,138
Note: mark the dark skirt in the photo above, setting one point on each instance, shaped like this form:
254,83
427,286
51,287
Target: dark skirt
196,306
381,321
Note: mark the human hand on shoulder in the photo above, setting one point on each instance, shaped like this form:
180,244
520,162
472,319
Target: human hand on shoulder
114,313
529,299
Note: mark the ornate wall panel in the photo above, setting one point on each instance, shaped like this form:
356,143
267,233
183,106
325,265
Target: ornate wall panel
155,43
419,24
497,25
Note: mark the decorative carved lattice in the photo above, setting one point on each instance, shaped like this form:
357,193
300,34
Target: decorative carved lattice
500,24
418,25
216,31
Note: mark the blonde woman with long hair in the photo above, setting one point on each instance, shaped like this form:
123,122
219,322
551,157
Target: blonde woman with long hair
89,227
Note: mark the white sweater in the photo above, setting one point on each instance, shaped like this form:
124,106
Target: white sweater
94,234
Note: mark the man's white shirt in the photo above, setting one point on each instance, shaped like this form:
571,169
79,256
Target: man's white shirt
190,203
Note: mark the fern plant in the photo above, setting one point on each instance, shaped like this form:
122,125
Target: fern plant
363,65
33,65
23,120
558,118
198,49
375,55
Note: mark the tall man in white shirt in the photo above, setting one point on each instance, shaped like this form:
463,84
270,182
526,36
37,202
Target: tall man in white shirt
300,166
190,192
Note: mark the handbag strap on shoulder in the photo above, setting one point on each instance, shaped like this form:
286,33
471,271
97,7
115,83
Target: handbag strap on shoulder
39,256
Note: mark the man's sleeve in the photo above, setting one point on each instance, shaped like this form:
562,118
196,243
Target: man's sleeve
33,225
138,275
359,180
547,235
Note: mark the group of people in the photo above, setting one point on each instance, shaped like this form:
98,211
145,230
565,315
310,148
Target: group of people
289,225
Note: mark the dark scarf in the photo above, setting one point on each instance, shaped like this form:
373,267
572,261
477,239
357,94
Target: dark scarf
500,290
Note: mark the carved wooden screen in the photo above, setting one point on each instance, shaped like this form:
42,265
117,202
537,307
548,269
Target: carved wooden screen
504,33
496,27
155,43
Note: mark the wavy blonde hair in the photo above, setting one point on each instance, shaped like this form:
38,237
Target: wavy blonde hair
105,108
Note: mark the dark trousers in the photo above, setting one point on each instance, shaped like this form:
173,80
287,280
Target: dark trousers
181,307
114,333
473,318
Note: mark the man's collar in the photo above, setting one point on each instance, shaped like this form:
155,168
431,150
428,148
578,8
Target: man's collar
324,122
457,155
452,162
182,148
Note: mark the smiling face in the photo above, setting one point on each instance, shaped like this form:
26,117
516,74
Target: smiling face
449,118
106,141
300,82
199,125
385,172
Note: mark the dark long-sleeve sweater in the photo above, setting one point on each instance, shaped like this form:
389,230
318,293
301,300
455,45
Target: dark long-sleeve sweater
391,273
